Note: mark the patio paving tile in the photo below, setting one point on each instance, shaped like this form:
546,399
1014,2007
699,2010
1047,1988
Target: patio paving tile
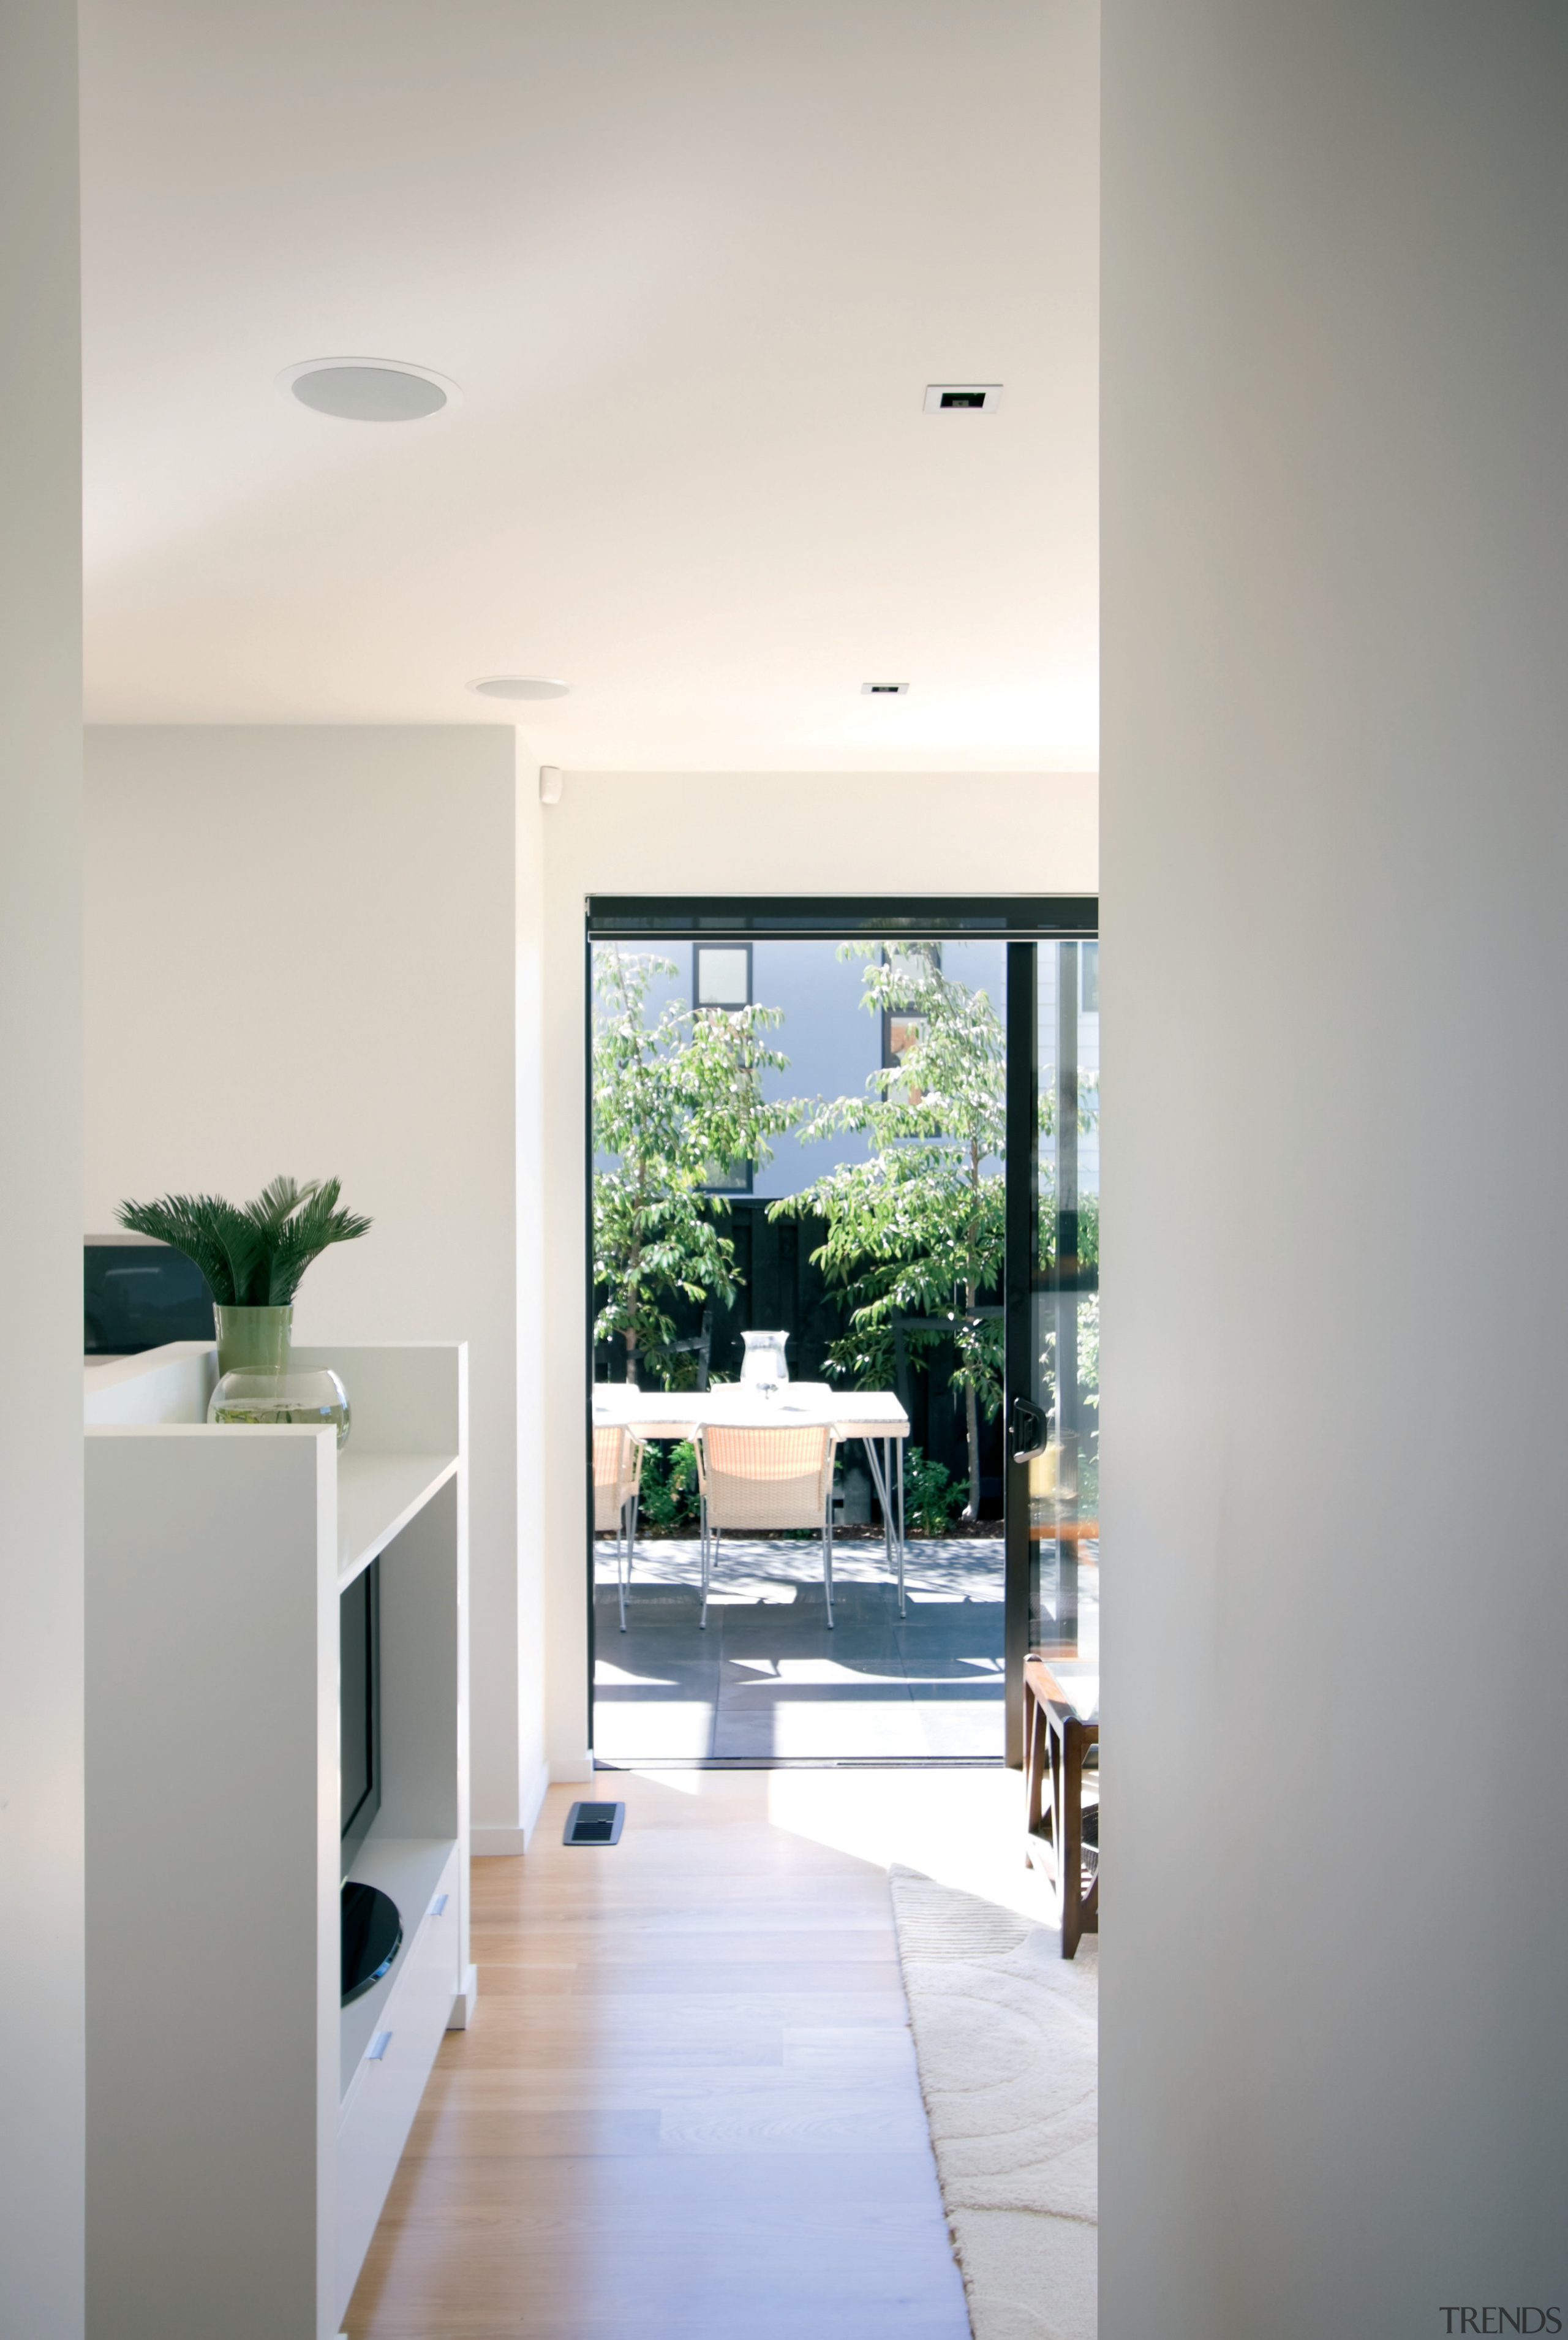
817,1726
803,1669
645,1733
640,1672
849,1643
961,1729
974,1671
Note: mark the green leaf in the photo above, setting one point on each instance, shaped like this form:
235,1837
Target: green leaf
672,1093
919,1228
252,1256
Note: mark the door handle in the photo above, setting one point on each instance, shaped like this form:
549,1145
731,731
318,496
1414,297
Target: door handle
1031,1431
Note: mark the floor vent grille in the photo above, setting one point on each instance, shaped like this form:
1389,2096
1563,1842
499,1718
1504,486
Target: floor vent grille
595,1824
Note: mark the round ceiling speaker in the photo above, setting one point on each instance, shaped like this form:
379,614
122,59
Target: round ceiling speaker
519,686
369,389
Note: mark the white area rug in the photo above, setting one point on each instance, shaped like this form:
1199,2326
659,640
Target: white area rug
1007,2037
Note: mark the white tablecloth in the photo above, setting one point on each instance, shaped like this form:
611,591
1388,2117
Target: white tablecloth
795,1405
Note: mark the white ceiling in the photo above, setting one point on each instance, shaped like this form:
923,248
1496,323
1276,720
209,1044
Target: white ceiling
693,262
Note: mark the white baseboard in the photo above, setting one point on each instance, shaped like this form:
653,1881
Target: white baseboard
499,1842
487,1842
462,2005
492,1843
533,1803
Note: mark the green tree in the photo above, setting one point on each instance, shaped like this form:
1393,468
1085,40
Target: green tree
918,1228
674,1101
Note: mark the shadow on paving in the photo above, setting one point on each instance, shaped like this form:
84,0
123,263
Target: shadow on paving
770,1677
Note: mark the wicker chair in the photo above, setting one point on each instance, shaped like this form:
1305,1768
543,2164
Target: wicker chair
617,1484
758,1480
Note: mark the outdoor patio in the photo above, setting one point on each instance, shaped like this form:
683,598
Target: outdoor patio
768,1679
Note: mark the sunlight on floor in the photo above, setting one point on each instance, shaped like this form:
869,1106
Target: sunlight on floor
965,1828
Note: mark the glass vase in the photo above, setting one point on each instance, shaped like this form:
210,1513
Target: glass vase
260,1383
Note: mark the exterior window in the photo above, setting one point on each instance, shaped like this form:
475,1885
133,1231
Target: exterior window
901,1029
729,1178
1089,980
722,975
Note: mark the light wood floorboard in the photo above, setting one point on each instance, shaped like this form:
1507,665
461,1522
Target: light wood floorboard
687,2108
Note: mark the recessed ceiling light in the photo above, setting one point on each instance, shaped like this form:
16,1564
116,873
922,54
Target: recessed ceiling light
884,690
369,389
963,397
519,686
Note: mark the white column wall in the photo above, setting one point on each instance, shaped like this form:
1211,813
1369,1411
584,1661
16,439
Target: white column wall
532,1344
1335,1017
731,833
302,956
41,1885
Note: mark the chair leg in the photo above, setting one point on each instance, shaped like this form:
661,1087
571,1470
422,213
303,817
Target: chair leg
828,1552
706,1539
620,1570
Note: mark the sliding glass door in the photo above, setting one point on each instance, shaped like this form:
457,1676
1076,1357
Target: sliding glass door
1053,1337
869,1130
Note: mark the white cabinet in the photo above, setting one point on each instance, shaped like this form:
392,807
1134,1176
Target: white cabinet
243,2128
385,2073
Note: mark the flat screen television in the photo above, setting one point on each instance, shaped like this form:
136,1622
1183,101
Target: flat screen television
359,1708
138,1295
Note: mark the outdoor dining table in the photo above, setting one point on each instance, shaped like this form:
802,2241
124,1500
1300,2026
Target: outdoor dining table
873,1417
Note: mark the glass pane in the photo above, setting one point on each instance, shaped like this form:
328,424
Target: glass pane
801,1137
1065,1321
723,975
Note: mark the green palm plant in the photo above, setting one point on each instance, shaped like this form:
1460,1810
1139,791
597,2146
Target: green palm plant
252,1255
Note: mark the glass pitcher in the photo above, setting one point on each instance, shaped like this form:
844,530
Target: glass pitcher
763,1366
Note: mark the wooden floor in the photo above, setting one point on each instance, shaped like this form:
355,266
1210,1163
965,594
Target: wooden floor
687,2106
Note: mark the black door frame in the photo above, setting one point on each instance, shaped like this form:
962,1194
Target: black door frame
1023,1118
1023,922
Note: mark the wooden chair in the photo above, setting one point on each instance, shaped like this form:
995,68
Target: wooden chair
617,1484
757,1481
1057,1753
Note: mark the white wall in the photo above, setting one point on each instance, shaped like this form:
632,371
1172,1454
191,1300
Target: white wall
302,956
532,1347
41,1885
732,833
1335,1364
